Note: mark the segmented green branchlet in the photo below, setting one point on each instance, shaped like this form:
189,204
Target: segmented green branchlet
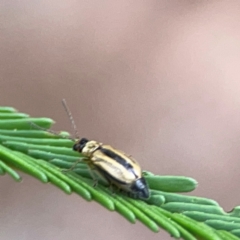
50,176
40,154
25,147
67,165
183,232
33,133
175,197
227,235
73,185
236,232
180,207
120,205
203,216
140,215
160,219
42,141
235,212
17,134
24,164
192,226
4,168
157,200
154,195
7,110
6,115
25,123
171,183
98,196
223,225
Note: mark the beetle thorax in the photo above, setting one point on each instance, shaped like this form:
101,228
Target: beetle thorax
90,148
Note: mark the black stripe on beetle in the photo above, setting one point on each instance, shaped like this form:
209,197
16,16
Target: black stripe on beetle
117,158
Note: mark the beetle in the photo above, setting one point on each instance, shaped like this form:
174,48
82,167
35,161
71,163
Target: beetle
115,166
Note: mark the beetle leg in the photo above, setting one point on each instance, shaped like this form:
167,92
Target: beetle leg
73,166
91,171
95,182
111,189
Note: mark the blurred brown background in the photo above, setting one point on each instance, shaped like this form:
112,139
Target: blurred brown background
158,79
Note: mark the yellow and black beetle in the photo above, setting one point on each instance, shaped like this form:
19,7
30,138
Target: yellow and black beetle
115,166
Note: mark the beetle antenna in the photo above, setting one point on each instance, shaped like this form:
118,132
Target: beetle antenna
71,118
50,131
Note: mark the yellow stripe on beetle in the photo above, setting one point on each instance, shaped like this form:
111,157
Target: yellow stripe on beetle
115,166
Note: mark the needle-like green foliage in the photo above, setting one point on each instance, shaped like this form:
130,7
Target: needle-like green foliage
45,156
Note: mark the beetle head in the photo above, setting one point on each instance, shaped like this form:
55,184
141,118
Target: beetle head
78,146
86,147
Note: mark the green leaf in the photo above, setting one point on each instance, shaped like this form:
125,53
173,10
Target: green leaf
7,110
4,168
171,183
25,165
173,197
33,133
25,123
12,115
38,141
182,206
